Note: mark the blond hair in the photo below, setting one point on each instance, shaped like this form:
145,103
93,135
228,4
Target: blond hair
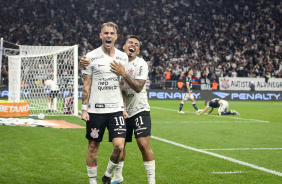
110,24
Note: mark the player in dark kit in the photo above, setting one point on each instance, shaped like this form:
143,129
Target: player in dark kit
188,93
222,106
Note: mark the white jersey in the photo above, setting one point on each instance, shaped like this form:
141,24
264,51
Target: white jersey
137,102
105,96
50,84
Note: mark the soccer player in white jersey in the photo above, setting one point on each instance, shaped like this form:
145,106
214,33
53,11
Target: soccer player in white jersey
52,93
102,103
137,107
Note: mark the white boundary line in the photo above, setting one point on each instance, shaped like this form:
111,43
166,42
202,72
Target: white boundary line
202,122
228,172
256,120
219,156
234,149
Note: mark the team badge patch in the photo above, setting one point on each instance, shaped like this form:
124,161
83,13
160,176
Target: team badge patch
95,133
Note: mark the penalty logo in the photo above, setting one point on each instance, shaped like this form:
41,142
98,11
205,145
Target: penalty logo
221,95
94,133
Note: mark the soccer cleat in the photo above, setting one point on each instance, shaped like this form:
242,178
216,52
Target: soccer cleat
181,112
106,180
234,112
151,181
199,110
117,181
93,181
48,111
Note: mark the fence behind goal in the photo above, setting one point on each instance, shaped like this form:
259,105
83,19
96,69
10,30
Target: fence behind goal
33,65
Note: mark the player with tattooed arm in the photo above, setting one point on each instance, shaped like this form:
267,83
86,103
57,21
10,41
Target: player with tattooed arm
102,103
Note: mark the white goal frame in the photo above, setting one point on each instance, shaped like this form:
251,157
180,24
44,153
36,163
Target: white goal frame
53,52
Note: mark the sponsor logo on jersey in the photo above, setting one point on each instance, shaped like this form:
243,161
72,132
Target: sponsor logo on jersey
98,57
101,88
119,58
130,95
99,105
140,71
120,129
95,133
221,94
138,133
144,128
107,105
108,79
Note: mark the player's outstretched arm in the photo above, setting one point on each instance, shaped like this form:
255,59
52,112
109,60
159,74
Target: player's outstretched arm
135,84
87,80
204,110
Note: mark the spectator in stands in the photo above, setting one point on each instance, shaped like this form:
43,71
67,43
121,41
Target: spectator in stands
234,32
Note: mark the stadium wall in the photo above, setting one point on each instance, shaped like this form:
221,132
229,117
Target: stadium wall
174,94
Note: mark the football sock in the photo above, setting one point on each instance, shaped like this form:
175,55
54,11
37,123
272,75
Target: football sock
92,174
118,171
181,106
195,106
110,168
225,113
150,169
49,105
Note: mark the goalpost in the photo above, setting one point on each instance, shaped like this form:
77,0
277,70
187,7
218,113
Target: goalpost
37,63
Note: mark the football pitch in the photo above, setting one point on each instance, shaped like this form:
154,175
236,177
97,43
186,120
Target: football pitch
188,148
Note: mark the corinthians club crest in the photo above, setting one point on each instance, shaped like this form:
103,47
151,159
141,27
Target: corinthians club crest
225,83
94,133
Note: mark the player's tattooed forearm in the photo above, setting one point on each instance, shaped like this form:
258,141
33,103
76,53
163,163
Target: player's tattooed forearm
85,95
135,84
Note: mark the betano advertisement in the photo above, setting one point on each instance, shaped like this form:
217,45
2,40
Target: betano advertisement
244,84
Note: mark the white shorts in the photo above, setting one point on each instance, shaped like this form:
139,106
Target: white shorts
223,106
187,97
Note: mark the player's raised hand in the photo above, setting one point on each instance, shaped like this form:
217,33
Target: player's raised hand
85,115
84,62
117,68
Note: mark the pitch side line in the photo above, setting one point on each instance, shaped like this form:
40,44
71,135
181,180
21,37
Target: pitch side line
207,122
215,115
219,156
234,149
228,172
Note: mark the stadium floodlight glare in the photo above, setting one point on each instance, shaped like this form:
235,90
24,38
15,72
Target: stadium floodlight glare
37,63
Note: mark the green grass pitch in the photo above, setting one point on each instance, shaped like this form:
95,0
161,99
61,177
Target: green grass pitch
188,148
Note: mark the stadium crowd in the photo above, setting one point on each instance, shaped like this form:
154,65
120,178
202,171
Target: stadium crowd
217,38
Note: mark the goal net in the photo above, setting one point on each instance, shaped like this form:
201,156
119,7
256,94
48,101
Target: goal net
36,64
